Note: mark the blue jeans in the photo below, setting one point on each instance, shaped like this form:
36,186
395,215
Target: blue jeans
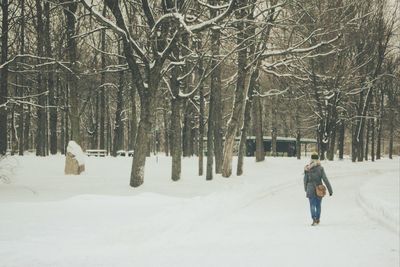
315,207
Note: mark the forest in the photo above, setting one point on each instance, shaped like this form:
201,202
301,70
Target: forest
191,77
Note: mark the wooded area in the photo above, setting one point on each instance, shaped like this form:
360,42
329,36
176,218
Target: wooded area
164,75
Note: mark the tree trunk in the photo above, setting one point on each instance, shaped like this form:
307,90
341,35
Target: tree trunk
273,142
176,131
199,73
72,81
332,136
142,137
187,138
373,140
341,139
391,132
133,123
119,125
258,127
109,131
247,117
12,128
240,93
210,138
41,111
379,127
367,140
215,88
210,142
353,142
4,78
102,97
50,83
166,130
20,90
360,141
298,144
252,86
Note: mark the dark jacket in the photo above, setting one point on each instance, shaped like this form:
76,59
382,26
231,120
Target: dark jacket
314,174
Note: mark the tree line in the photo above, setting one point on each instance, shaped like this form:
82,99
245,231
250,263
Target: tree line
166,75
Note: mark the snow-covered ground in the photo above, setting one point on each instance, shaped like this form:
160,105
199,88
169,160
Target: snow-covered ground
259,219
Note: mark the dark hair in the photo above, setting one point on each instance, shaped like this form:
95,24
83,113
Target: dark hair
314,156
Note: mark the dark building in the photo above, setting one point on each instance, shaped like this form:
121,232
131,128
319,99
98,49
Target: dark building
285,146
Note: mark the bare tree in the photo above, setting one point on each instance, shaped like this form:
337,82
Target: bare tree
4,77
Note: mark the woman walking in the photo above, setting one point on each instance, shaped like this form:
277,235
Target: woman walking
314,174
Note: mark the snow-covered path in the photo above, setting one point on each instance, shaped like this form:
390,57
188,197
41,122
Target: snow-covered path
260,219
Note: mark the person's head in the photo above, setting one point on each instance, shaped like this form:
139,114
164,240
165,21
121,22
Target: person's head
314,156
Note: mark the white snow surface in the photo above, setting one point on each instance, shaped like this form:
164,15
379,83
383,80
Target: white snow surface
259,219
76,150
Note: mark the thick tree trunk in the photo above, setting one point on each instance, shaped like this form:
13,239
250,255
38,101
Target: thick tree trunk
247,118
239,100
215,88
332,137
210,140
72,81
187,138
4,78
244,130
176,128
140,151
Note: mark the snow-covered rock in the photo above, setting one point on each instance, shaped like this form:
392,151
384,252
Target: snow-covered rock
75,159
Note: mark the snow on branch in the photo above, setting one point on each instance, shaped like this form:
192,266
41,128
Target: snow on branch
272,92
88,33
115,28
284,75
52,61
175,16
212,6
296,50
208,23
